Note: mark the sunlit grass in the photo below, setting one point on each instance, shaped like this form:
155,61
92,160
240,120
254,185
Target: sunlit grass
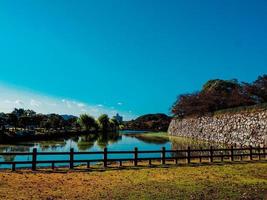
231,181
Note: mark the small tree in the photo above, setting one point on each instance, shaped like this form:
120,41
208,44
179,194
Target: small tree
87,122
104,122
258,89
114,124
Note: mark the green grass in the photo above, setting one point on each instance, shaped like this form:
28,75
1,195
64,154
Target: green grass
177,141
152,137
155,134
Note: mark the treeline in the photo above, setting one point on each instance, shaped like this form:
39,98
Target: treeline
103,123
221,94
30,120
149,122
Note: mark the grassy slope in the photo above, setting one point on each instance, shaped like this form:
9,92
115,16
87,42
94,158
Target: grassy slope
155,137
237,181
151,134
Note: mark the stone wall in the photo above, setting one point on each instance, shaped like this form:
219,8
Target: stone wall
242,128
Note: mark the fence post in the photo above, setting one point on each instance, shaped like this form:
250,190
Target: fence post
135,156
211,154
163,155
200,155
176,157
250,152
105,157
241,153
71,158
34,158
221,156
264,151
13,166
188,155
149,162
232,153
259,151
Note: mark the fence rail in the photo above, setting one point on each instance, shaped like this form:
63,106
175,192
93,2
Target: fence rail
195,155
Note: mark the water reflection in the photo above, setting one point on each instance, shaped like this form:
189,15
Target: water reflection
51,144
86,142
97,142
108,138
150,139
12,148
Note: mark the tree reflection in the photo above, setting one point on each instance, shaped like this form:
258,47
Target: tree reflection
102,139
149,139
7,149
86,142
52,144
105,138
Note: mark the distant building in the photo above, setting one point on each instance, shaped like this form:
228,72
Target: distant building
118,118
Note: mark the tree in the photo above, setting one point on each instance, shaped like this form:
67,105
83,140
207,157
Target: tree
22,112
215,95
71,122
114,124
258,89
24,121
3,122
56,121
87,122
104,122
12,120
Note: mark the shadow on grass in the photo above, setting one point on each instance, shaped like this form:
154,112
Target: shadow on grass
128,166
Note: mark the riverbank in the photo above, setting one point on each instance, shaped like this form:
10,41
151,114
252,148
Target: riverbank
231,181
56,134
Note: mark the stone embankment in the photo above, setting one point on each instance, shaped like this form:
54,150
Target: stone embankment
241,128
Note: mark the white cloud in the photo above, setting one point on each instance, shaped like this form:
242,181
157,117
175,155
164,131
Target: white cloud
119,103
11,98
84,110
19,102
35,103
81,105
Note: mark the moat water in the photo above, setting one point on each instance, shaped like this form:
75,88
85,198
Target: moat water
123,141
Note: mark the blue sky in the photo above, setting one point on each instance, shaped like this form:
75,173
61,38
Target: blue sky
132,57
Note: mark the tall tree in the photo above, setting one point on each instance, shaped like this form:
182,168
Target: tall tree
104,122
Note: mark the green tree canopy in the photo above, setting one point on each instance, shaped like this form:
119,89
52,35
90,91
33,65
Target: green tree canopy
87,122
104,122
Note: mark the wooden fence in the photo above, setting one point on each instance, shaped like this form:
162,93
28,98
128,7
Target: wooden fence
190,155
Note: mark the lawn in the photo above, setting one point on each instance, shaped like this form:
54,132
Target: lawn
230,181
152,137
